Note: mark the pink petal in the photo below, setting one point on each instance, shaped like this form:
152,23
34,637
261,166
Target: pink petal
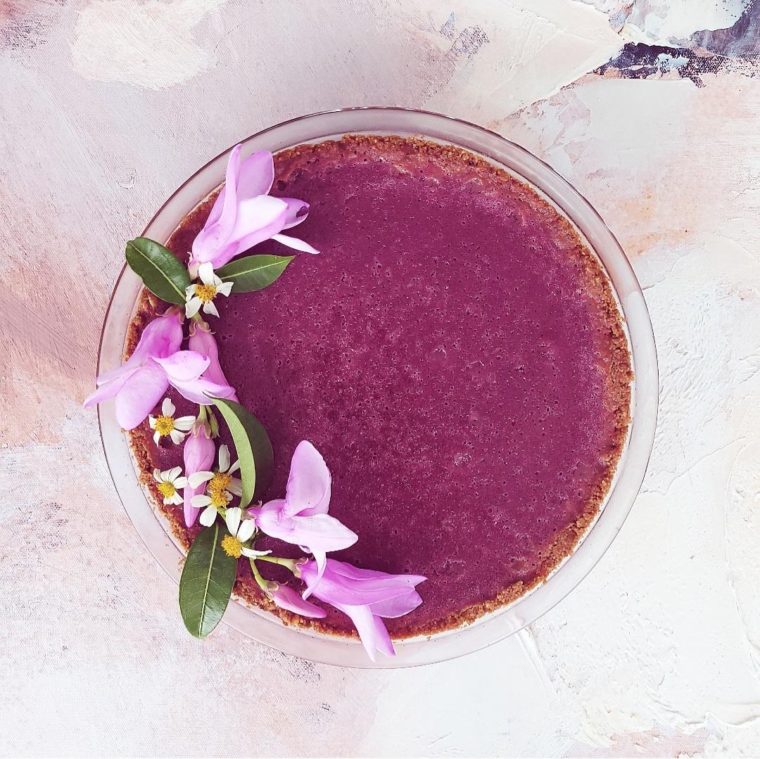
184,366
161,337
258,219
320,532
228,214
256,175
350,572
398,606
365,588
202,341
198,456
297,212
295,243
308,489
287,598
201,390
116,378
372,631
139,395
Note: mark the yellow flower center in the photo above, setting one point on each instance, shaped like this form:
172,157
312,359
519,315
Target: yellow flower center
232,546
217,488
218,498
206,293
167,489
164,425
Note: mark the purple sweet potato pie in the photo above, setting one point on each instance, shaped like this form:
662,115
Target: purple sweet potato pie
455,353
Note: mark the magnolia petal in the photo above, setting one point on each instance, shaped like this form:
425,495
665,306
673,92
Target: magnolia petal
161,337
348,571
372,631
295,243
398,606
184,366
309,482
201,391
228,211
256,175
198,457
208,516
297,212
258,219
365,587
320,559
246,530
320,532
203,342
139,395
110,389
289,599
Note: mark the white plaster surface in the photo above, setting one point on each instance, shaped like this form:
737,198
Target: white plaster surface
106,108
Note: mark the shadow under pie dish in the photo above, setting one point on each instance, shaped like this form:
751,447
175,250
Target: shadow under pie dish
461,352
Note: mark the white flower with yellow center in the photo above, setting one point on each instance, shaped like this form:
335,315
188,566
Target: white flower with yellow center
241,530
166,425
169,484
220,487
201,296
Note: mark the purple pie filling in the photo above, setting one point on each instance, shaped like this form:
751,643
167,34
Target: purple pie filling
454,352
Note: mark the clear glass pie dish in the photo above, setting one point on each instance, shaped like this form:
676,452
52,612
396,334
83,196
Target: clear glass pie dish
491,627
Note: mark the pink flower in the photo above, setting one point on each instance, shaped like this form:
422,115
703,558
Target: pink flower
202,341
140,382
301,518
198,455
186,372
287,598
244,213
366,596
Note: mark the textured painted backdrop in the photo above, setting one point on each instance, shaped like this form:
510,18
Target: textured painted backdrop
650,107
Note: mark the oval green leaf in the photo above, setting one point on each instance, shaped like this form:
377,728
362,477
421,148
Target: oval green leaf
252,446
206,583
159,269
254,272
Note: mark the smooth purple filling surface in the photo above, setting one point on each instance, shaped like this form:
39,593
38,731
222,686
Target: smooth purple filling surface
455,354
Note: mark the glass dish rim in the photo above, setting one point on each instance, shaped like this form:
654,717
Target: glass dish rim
450,644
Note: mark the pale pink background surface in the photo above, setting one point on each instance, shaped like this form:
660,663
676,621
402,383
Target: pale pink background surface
107,105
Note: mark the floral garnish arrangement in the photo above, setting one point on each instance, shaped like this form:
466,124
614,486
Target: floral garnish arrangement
210,487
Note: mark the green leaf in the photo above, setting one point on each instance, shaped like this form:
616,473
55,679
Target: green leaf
253,448
254,272
159,269
206,583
